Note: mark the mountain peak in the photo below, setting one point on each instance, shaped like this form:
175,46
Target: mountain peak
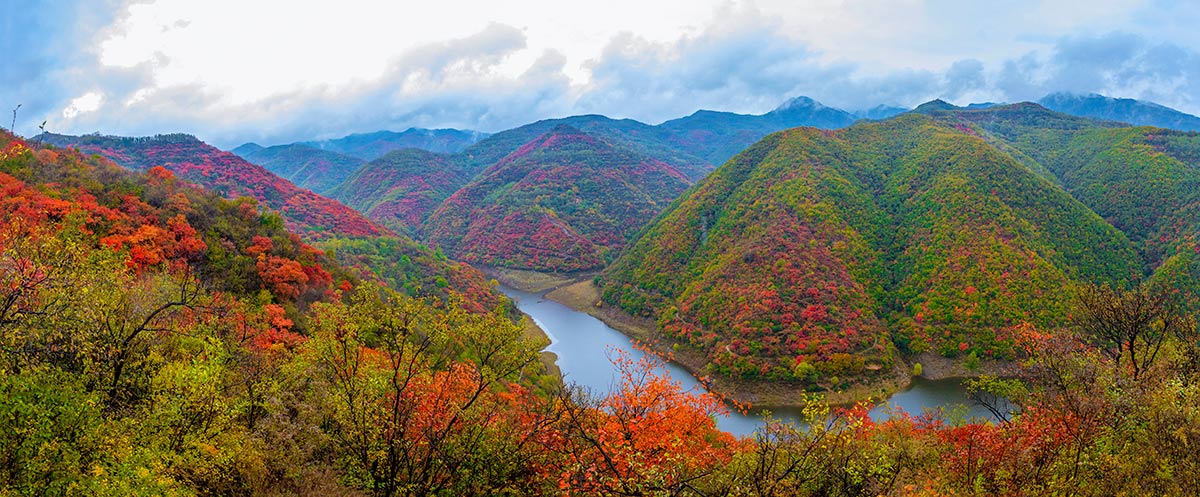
564,129
557,137
246,149
934,106
801,102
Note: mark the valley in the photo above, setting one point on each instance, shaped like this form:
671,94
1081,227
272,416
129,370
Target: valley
866,247
583,304
816,260
706,248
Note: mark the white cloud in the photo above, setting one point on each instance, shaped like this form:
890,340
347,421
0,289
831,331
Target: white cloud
281,70
88,102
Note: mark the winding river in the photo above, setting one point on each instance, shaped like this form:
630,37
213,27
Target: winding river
583,345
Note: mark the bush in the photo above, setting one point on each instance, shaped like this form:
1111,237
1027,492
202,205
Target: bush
972,361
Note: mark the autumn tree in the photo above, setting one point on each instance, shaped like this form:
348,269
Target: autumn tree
646,437
407,417
1130,325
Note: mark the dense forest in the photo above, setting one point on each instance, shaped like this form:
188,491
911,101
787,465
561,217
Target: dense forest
402,188
356,241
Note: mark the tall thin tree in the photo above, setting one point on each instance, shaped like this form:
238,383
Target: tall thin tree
12,128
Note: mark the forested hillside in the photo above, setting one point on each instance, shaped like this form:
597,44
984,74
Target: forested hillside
565,201
812,254
228,175
1126,110
401,189
306,167
362,244
1145,181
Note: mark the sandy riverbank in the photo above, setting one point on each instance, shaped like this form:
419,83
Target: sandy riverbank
532,281
936,367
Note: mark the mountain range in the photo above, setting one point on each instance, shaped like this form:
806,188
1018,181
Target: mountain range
818,251
1126,110
402,189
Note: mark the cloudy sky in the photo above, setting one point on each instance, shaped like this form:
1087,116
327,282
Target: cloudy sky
276,71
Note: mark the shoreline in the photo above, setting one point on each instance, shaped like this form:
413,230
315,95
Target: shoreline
578,292
583,296
532,282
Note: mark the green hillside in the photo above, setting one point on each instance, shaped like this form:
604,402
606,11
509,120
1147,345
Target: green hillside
1144,181
306,167
809,254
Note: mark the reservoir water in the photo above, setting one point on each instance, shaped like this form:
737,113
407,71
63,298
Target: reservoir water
583,345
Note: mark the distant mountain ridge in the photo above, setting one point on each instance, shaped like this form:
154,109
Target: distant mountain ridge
717,136
1126,110
400,189
307,167
321,165
371,146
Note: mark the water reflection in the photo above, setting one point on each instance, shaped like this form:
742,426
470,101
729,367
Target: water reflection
583,345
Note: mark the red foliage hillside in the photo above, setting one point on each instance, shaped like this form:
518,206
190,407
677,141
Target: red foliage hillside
303,211
566,201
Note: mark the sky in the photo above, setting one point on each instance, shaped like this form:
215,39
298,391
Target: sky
278,71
